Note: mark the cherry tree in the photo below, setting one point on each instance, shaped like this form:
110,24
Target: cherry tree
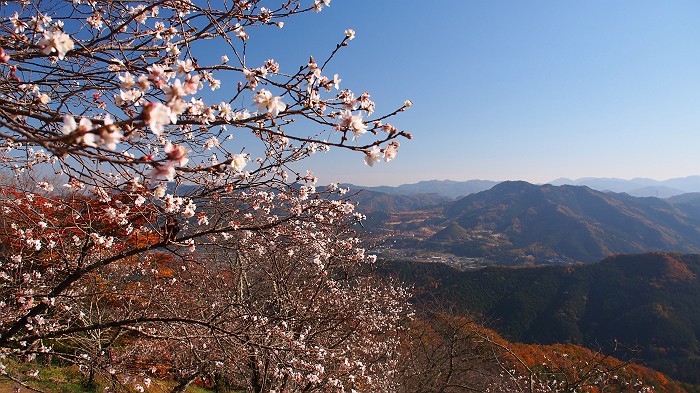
152,203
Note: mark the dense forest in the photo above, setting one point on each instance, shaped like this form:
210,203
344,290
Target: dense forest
646,304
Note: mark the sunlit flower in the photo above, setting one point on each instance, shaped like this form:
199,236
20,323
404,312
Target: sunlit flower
140,200
83,129
239,161
128,97
19,25
56,41
189,209
160,190
172,49
110,134
127,80
95,21
266,101
336,81
143,83
225,111
174,90
353,123
192,84
184,67
318,4
390,151
139,13
373,156
157,115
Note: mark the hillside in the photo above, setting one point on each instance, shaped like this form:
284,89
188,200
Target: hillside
567,223
442,353
649,303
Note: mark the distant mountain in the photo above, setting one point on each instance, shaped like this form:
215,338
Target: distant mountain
641,187
573,223
645,302
448,188
369,201
655,191
692,198
603,184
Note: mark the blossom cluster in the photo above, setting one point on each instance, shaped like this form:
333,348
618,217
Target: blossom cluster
134,169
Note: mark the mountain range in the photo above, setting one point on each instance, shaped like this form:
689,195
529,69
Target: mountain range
640,187
572,222
516,223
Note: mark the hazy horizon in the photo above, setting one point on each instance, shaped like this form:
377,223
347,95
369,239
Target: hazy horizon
394,184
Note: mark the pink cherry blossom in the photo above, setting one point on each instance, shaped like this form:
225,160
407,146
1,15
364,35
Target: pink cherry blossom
390,151
166,172
157,115
176,153
353,123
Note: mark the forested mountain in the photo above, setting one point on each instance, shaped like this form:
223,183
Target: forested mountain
573,223
649,303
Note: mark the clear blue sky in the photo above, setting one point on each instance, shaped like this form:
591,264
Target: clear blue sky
506,90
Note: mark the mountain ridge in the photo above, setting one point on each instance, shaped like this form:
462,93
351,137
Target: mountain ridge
639,186
576,223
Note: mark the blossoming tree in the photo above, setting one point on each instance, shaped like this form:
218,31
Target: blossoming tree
143,210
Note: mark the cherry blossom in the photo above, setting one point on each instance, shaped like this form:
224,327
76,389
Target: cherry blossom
239,161
373,156
353,123
350,34
319,4
266,102
56,41
176,153
390,151
157,116
184,223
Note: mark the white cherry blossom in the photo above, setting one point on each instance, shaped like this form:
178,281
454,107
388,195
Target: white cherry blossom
56,41
266,102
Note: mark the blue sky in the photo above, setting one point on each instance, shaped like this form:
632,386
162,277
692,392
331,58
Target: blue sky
506,90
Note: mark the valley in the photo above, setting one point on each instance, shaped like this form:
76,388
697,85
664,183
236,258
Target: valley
521,224
546,264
